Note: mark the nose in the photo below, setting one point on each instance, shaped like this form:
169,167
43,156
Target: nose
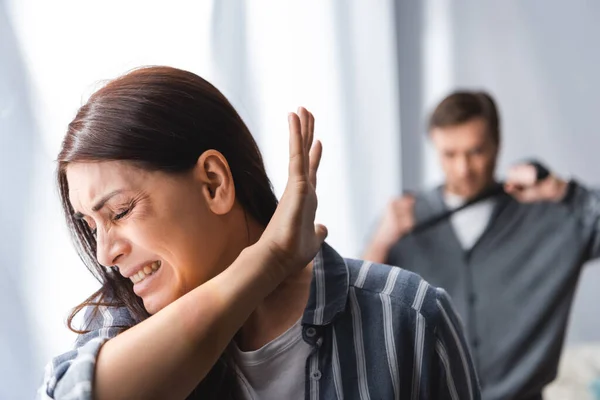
462,167
110,248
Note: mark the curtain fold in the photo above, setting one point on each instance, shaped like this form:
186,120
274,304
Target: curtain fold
338,59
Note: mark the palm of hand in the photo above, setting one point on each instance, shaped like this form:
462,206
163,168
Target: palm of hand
292,236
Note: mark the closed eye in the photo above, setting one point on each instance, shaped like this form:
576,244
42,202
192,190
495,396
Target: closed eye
121,214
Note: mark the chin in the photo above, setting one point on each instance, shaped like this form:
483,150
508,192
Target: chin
475,193
153,304
467,192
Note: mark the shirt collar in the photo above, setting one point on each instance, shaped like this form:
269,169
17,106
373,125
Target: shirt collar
328,289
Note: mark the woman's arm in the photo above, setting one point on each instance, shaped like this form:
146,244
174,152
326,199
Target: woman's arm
167,355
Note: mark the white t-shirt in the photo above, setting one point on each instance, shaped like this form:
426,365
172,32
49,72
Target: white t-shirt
275,371
469,224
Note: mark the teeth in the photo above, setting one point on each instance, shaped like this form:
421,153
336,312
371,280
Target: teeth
147,270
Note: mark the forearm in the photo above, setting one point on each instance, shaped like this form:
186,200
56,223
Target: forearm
167,355
377,251
584,204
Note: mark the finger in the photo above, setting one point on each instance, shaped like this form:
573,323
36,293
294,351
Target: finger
315,160
311,130
509,187
297,166
527,195
524,175
396,204
520,193
521,196
512,188
404,201
303,113
321,232
407,200
399,210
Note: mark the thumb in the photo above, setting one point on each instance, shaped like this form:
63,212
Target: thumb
510,188
525,195
321,232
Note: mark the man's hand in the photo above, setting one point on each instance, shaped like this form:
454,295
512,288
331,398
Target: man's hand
397,221
522,183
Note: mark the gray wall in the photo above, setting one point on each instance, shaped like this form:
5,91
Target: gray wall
540,59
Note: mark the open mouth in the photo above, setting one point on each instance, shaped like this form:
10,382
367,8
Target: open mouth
145,272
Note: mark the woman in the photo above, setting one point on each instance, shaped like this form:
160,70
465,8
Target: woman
210,289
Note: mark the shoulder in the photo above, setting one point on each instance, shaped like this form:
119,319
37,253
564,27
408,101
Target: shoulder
404,288
104,322
107,316
76,367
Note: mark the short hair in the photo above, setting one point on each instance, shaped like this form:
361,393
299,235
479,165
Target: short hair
463,106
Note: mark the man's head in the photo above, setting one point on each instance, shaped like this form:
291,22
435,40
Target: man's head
465,130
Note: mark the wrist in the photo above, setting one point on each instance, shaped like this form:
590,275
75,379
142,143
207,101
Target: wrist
378,250
250,278
555,188
270,266
382,244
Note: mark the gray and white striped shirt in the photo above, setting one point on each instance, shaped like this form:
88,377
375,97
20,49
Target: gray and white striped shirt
377,332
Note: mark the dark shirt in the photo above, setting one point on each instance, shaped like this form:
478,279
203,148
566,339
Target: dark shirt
513,289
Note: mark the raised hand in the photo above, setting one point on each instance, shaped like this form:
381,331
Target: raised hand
522,183
292,237
397,221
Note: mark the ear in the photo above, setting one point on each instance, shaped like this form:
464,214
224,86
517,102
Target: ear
212,170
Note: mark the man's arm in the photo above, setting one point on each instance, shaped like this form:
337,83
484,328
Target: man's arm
523,184
585,205
583,202
396,222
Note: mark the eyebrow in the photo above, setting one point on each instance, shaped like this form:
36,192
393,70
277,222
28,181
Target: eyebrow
98,206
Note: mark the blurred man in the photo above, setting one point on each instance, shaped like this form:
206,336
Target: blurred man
510,262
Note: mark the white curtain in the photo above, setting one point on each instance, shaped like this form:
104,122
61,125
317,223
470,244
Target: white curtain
339,60
336,58
18,350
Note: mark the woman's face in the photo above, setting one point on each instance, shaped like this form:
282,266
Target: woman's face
168,233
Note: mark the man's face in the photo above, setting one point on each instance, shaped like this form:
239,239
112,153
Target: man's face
468,156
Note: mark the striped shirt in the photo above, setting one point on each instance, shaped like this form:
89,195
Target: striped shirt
377,332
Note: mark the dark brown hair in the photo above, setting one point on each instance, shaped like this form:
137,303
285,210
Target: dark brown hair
160,119
463,106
